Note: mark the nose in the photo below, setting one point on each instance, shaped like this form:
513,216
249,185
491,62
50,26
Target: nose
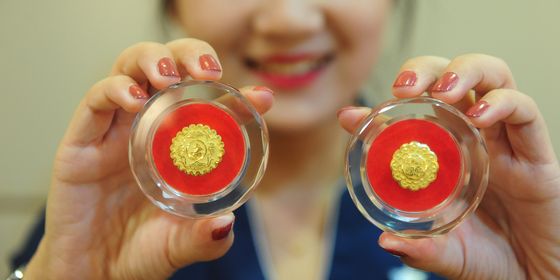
288,18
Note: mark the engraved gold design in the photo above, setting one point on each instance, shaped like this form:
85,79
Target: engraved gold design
197,149
414,166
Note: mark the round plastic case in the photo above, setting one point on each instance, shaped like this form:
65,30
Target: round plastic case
416,167
198,149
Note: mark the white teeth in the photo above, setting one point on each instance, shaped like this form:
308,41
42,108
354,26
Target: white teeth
290,68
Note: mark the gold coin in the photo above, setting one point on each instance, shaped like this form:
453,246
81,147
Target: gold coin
197,149
414,166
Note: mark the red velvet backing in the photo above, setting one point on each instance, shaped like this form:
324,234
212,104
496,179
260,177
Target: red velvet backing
225,126
381,152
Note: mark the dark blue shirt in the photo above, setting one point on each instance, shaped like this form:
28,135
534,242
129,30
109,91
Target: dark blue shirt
356,254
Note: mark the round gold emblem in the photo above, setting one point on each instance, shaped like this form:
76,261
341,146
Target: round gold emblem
414,166
197,149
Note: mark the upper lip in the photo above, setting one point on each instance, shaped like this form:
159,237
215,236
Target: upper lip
290,58
283,58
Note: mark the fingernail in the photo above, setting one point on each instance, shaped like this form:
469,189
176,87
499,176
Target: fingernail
478,109
209,63
405,79
221,233
167,67
446,83
396,253
137,92
263,88
344,109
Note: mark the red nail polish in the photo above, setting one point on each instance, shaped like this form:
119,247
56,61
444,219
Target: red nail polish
446,83
405,79
137,92
343,109
478,109
167,67
209,63
221,233
395,253
263,88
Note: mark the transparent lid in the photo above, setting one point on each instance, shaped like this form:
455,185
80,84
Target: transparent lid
198,149
416,167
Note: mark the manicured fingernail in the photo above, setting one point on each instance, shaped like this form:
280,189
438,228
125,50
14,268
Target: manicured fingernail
221,233
396,253
137,92
263,88
446,83
405,79
209,63
344,109
478,109
167,67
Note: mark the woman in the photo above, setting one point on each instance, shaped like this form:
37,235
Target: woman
315,56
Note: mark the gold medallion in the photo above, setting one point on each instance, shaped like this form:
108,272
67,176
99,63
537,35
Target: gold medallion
197,149
414,166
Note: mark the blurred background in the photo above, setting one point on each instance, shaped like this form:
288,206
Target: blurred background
51,52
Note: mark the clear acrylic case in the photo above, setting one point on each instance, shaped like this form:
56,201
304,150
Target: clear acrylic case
416,167
198,149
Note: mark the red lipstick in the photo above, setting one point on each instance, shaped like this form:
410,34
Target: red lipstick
290,71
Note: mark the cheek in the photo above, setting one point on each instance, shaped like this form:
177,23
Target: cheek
358,20
360,28
217,22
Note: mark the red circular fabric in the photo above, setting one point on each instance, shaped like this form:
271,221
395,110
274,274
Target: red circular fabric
225,126
381,152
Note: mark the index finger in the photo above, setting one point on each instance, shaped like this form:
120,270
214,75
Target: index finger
481,73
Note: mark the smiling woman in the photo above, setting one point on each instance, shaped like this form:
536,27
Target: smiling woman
303,65
315,57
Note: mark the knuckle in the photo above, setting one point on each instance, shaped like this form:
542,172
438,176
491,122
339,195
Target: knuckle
503,64
480,57
126,58
110,84
146,46
528,100
466,59
189,43
146,49
142,47
117,81
512,95
101,85
472,57
424,60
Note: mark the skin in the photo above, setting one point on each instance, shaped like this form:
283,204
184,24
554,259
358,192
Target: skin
256,29
100,226
506,238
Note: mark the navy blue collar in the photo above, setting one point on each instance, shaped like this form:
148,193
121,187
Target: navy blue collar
356,254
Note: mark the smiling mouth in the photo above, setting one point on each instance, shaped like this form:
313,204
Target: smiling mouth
289,71
289,66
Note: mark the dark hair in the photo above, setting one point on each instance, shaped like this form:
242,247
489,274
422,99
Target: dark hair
166,5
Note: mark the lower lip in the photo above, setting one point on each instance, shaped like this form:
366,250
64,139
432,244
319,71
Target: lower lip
290,82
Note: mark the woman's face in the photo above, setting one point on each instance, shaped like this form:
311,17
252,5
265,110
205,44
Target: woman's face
315,54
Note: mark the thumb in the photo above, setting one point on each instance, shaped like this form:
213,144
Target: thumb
442,255
201,240
350,117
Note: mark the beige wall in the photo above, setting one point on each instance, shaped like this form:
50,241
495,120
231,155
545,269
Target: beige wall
52,51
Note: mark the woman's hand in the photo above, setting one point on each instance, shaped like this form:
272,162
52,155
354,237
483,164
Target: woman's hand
515,232
99,225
